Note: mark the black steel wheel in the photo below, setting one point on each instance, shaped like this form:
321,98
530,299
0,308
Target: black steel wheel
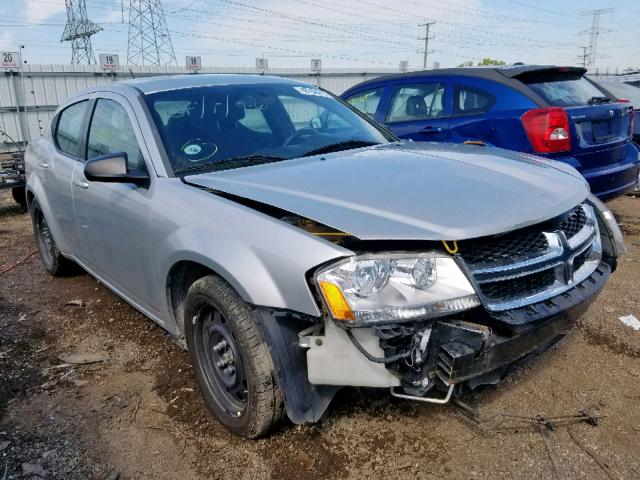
231,360
54,262
225,374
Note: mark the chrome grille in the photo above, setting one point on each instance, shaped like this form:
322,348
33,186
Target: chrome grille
573,222
504,247
536,263
506,290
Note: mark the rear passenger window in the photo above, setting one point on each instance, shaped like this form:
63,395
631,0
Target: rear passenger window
69,130
112,132
417,102
469,100
367,101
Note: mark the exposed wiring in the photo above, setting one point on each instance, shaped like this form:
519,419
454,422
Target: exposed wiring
370,357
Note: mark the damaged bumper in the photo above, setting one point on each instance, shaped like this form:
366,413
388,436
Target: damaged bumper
467,352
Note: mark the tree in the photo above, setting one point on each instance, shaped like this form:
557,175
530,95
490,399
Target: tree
468,63
490,61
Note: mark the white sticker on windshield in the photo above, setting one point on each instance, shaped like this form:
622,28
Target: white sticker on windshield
316,92
192,149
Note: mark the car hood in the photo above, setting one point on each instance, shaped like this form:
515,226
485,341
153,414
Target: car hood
411,191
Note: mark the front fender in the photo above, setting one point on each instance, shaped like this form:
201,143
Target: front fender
264,259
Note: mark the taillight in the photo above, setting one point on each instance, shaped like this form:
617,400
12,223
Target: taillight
547,129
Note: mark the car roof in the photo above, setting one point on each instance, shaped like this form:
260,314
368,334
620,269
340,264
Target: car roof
502,74
155,84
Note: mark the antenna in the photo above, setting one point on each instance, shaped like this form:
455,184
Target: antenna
78,31
149,40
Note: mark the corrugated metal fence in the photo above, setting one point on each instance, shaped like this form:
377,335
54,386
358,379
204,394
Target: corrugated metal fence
29,97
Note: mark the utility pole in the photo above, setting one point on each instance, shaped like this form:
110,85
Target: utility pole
594,33
149,39
426,38
78,31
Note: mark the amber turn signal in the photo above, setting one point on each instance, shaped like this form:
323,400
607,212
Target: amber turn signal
340,309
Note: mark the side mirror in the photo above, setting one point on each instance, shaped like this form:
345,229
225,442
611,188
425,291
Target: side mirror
113,168
315,123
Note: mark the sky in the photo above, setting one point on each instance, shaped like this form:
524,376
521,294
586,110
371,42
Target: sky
344,33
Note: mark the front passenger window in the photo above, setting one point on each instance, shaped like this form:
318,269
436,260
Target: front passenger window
69,128
111,132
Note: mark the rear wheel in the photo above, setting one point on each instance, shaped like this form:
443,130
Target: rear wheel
19,194
231,360
54,262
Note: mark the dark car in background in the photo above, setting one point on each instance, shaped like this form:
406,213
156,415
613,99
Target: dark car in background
624,92
554,112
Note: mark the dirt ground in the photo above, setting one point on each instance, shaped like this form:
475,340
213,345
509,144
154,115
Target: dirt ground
139,415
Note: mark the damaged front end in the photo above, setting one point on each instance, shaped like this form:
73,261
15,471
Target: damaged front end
428,326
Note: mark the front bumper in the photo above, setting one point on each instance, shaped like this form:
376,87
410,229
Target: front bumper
469,351
532,328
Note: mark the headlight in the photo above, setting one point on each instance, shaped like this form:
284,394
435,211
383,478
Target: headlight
611,224
379,288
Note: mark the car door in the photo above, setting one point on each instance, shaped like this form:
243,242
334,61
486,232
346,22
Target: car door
113,218
420,110
58,170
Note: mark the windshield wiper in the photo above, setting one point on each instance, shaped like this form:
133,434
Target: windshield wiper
599,100
337,147
228,164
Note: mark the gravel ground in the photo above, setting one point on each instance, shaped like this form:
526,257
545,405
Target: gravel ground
138,415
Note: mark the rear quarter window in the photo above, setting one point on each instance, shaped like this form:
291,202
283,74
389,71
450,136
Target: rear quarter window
471,100
562,89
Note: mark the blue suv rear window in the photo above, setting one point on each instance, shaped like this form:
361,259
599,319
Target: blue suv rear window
562,89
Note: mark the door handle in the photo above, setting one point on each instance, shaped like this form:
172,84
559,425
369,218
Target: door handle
81,184
430,129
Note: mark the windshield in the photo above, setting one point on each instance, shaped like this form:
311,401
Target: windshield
624,91
563,89
230,126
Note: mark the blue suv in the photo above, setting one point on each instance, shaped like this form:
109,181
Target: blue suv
554,112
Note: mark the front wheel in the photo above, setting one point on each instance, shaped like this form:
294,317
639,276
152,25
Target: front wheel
231,360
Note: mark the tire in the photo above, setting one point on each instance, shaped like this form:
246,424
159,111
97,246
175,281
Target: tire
54,262
231,360
19,194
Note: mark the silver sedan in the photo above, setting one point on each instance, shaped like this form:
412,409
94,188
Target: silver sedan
295,247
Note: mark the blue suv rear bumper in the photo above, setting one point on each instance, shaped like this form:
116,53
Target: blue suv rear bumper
612,180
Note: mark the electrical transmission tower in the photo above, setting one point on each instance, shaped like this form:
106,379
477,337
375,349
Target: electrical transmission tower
78,31
583,58
149,40
594,33
426,38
